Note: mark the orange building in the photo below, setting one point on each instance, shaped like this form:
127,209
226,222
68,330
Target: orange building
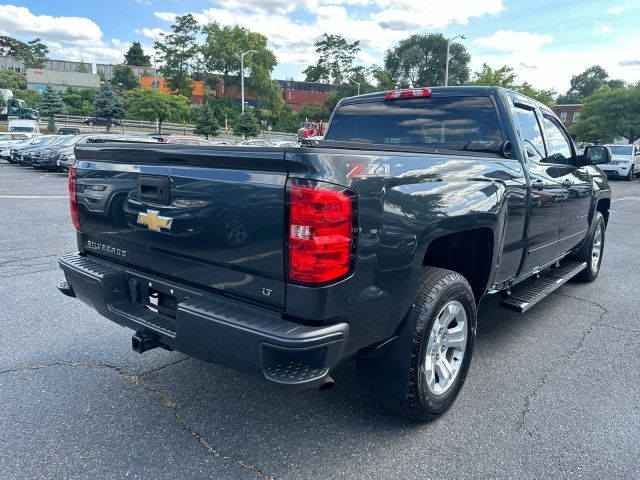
150,81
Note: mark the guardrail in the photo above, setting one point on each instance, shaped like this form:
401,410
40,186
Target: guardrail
142,126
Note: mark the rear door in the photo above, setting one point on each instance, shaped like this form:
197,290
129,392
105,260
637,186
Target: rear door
204,216
545,206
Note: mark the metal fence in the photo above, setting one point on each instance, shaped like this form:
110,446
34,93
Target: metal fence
142,126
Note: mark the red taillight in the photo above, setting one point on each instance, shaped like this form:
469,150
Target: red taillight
320,232
407,93
73,197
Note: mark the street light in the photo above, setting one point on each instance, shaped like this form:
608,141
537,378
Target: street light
242,75
358,84
446,68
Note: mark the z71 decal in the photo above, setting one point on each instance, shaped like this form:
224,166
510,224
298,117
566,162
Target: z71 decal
364,170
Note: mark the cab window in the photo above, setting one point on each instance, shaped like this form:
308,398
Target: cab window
558,145
531,133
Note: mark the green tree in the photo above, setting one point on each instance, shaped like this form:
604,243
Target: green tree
154,105
32,53
31,97
506,77
587,82
420,61
499,77
206,122
108,105
286,120
135,56
335,60
382,79
543,96
124,78
79,101
247,125
610,113
177,52
51,104
221,54
12,80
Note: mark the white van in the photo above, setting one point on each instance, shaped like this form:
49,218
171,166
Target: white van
19,125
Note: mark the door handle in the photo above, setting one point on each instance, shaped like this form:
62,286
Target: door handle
538,184
567,184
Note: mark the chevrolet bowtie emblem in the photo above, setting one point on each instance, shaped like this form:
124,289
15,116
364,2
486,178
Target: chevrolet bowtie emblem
153,221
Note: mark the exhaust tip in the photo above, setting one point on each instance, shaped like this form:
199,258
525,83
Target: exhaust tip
327,384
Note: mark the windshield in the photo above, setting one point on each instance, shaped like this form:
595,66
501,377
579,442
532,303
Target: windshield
621,149
459,123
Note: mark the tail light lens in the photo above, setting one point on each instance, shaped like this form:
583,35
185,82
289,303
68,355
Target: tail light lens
321,232
407,94
73,197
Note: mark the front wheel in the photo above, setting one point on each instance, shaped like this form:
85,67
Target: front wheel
591,251
443,334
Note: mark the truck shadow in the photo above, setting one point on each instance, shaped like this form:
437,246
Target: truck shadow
267,426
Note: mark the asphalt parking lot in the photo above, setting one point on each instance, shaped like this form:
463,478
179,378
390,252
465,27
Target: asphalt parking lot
554,393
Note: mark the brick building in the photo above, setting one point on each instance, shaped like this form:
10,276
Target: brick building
568,114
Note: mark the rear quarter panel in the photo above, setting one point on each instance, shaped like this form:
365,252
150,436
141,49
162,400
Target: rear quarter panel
405,201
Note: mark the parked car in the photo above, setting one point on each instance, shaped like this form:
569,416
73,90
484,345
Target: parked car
31,156
625,161
67,158
49,158
376,245
22,155
101,121
187,140
10,153
254,142
285,143
68,131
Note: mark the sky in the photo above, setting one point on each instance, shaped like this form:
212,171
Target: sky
545,41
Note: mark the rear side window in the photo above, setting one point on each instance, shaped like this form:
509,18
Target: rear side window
446,122
531,133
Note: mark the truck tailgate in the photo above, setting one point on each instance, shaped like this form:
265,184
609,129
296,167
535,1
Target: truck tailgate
209,217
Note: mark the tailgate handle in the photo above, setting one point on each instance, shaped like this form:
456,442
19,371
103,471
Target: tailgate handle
153,189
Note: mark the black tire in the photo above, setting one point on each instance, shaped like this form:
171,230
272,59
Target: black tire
585,254
631,175
437,288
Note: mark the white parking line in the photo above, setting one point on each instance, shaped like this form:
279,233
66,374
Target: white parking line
35,197
629,199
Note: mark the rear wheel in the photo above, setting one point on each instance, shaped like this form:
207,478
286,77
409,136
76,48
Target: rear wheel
444,319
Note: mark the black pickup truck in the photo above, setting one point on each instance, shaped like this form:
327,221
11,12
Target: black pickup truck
375,244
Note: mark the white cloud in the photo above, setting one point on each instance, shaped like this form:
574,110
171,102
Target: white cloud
554,69
510,41
154,33
601,27
616,10
20,20
435,14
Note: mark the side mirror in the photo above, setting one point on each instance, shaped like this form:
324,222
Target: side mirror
597,155
506,149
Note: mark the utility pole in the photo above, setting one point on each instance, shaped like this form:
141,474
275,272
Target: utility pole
242,76
446,68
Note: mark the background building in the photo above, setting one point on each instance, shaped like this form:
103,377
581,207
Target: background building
63,74
568,114
39,78
106,70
